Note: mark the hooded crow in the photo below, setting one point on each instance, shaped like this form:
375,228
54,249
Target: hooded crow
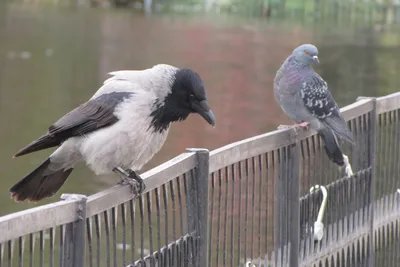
118,130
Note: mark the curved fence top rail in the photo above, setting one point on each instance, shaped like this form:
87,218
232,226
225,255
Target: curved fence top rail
388,103
37,219
153,178
63,212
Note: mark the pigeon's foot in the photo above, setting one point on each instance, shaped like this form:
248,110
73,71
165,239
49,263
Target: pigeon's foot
304,125
130,177
295,127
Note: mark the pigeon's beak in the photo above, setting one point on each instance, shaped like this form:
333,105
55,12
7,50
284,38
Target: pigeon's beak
315,59
204,110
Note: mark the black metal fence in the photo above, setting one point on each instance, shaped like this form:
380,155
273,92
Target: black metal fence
270,200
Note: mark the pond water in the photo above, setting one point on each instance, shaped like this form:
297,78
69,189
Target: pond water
54,58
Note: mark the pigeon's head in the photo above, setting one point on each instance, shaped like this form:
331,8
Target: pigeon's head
306,54
187,95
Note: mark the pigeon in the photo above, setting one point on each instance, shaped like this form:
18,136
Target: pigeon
304,96
118,130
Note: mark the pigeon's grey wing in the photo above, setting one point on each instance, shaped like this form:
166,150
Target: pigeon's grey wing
320,103
88,117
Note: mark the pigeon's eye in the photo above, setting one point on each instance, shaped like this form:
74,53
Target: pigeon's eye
306,52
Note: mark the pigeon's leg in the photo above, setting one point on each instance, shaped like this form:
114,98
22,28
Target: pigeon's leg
304,125
130,177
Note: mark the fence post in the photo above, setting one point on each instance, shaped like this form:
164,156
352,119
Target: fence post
294,204
74,244
372,156
287,205
198,205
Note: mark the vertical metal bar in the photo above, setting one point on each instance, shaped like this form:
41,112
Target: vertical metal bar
76,233
253,168
191,200
79,238
89,240
31,249
165,203
141,213
233,173
21,241
41,248
10,252
372,145
61,244
280,220
132,205
260,187
239,204
123,219
51,252
172,190
385,157
201,178
179,189
225,217
246,208
149,219
107,230
272,163
159,255
210,237
294,204
98,231
68,245
1,254
114,233
219,217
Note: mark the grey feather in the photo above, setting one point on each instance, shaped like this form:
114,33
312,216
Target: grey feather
331,146
320,103
90,116
123,125
304,96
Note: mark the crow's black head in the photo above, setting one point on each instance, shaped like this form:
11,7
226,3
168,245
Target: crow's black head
187,95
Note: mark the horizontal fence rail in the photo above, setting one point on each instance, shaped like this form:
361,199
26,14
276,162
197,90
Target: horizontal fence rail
269,200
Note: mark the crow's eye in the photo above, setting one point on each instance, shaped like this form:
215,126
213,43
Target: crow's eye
191,97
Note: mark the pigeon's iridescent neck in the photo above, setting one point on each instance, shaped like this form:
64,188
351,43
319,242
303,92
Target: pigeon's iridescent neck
293,63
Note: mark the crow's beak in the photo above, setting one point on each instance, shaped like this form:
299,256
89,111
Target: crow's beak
315,59
204,110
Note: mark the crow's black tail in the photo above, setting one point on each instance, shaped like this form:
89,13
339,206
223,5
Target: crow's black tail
40,183
331,146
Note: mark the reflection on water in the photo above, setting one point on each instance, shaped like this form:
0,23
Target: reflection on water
52,59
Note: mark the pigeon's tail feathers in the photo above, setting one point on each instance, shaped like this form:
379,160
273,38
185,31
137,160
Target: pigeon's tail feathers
40,183
331,146
43,142
338,126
